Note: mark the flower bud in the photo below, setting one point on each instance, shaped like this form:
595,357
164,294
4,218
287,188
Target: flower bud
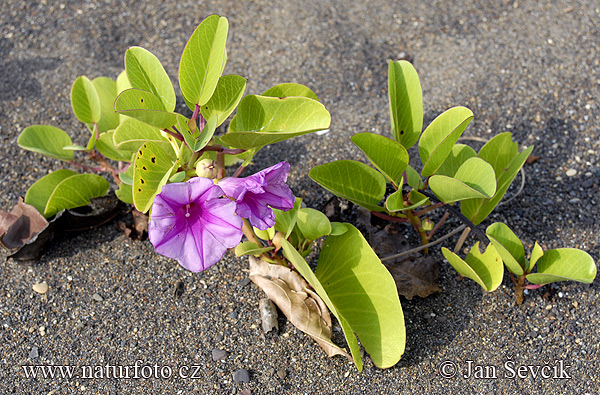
206,168
427,224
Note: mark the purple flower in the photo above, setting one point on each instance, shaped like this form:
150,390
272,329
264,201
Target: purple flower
256,194
192,223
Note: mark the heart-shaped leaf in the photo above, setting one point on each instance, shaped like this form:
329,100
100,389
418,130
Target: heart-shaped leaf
262,120
144,106
203,60
85,101
351,180
46,140
228,93
107,93
474,179
508,246
387,155
289,89
440,136
145,72
406,102
312,223
75,191
485,269
152,170
564,264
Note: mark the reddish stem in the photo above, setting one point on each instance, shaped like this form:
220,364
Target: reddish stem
389,217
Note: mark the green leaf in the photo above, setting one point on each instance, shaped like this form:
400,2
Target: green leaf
289,89
152,170
198,140
145,72
125,193
485,269
203,60
395,202
474,179
266,234
536,254
127,176
107,93
46,140
387,155
75,191
39,193
250,248
228,93
144,106
478,209
353,181
360,292
122,85
312,223
499,152
177,177
85,101
406,102
105,145
338,228
74,147
440,136
286,220
459,155
131,134
413,179
564,264
508,246
262,120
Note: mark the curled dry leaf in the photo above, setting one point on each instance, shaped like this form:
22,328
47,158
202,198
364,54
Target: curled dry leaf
302,307
415,276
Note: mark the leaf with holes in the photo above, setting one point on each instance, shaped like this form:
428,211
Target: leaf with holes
440,136
262,120
406,102
351,180
152,170
145,72
203,60
485,269
144,106
564,264
387,155
46,140
85,101
474,179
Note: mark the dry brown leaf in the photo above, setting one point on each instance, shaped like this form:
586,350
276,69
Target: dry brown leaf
302,307
415,276
531,159
20,225
140,223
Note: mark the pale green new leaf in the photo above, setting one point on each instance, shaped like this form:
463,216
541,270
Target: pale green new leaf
228,93
85,101
312,223
536,254
508,246
262,120
351,180
289,89
38,194
250,248
145,72
440,136
387,155
406,102
413,179
474,179
144,106
564,264
485,269
203,60
46,140
107,92
75,191
395,202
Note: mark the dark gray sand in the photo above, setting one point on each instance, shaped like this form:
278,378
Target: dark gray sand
528,67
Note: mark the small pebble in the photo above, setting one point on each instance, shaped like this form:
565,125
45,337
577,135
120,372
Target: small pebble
97,298
41,288
571,173
281,373
241,376
219,355
233,315
35,352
